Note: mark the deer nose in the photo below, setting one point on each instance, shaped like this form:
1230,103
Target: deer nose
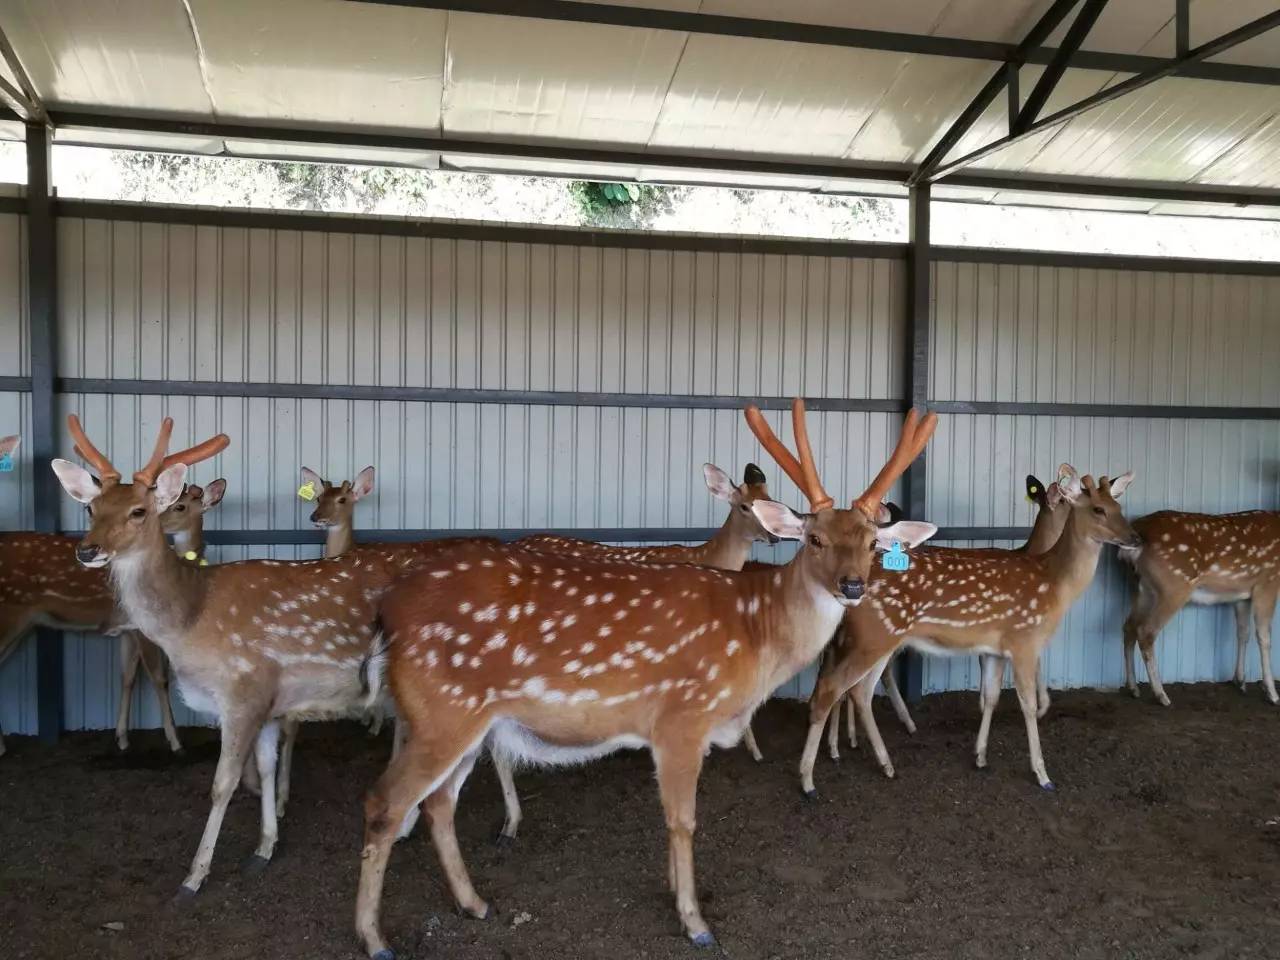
86,552
852,589
315,516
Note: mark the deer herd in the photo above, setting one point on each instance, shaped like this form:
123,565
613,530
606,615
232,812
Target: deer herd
551,651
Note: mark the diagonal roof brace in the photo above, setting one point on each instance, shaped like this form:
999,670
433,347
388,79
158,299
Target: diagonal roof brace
1048,81
27,100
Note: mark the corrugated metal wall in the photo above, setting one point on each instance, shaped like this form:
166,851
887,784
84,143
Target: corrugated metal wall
1062,334
155,301
149,301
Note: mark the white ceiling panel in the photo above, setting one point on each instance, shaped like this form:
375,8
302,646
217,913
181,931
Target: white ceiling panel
323,61
324,154
770,97
1253,162
999,20
134,54
134,140
528,78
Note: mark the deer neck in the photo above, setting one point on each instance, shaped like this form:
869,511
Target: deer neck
1073,560
160,593
726,550
189,541
338,539
799,619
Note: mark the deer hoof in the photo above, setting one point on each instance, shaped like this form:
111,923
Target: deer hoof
478,912
811,794
254,865
184,897
889,772
1165,702
704,939
504,841
386,953
1048,786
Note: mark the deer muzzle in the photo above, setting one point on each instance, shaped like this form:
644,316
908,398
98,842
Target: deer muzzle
852,588
90,554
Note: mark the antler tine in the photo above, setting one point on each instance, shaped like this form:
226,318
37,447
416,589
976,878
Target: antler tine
88,452
201,451
775,447
812,485
147,475
916,432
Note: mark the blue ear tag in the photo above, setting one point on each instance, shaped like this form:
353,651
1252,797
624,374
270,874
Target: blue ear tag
6,463
895,559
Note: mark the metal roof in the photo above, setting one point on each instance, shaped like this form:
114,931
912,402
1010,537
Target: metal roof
842,96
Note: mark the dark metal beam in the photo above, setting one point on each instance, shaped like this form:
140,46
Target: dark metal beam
1182,27
28,99
823,35
1106,261
15,384
1176,66
1048,81
1011,72
1173,191
1004,78
1143,411
42,304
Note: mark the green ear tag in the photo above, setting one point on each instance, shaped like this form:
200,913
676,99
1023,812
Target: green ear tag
895,559
307,491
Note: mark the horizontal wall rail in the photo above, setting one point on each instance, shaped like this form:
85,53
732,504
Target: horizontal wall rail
15,384
1114,410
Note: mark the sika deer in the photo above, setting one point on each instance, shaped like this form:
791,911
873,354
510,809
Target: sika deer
562,660
1002,603
1203,559
250,642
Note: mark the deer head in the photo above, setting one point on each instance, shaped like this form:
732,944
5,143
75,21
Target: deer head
336,503
742,521
838,546
125,517
187,513
1094,511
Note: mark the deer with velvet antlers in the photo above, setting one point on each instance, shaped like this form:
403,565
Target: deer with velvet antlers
561,660
1203,559
250,642
1001,604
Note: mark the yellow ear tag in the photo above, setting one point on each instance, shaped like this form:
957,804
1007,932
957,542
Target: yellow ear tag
204,562
307,491
1030,491
191,555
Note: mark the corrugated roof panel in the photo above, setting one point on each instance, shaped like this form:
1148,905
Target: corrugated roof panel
517,77
135,140
1253,162
137,54
328,62
762,95
1212,18
1170,130
1000,20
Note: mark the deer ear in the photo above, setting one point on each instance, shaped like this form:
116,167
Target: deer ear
1053,495
77,481
719,483
754,476
313,478
1036,491
364,484
169,486
909,533
1121,483
1069,483
778,519
214,493
9,444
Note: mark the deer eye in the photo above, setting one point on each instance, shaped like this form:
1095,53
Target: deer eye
138,512
1099,511
342,499
180,507
744,508
814,541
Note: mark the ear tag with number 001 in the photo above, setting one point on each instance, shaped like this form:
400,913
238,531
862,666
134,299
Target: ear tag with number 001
895,559
6,463
307,491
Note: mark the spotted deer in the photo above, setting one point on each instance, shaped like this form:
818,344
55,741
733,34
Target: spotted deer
250,642
561,660
1203,559
42,584
184,521
1051,517
1003,604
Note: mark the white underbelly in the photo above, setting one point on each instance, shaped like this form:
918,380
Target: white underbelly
520,744
1203,597
925,645
198,698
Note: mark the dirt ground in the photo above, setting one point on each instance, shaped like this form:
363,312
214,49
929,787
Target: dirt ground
1161,841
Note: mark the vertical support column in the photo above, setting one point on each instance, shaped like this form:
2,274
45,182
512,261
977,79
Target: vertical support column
1182,27
919,297
42,290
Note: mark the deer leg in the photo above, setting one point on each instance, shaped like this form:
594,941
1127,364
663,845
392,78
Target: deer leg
237,735
505,767
439,808
157,666
400,736
265,751
130,657
890,683
862,693
422,766
851,722
826,694
1264,608
375,717
14,623
988,696
1024,680
678,765
833,730
284,772
1042,689
753,748
1241,608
